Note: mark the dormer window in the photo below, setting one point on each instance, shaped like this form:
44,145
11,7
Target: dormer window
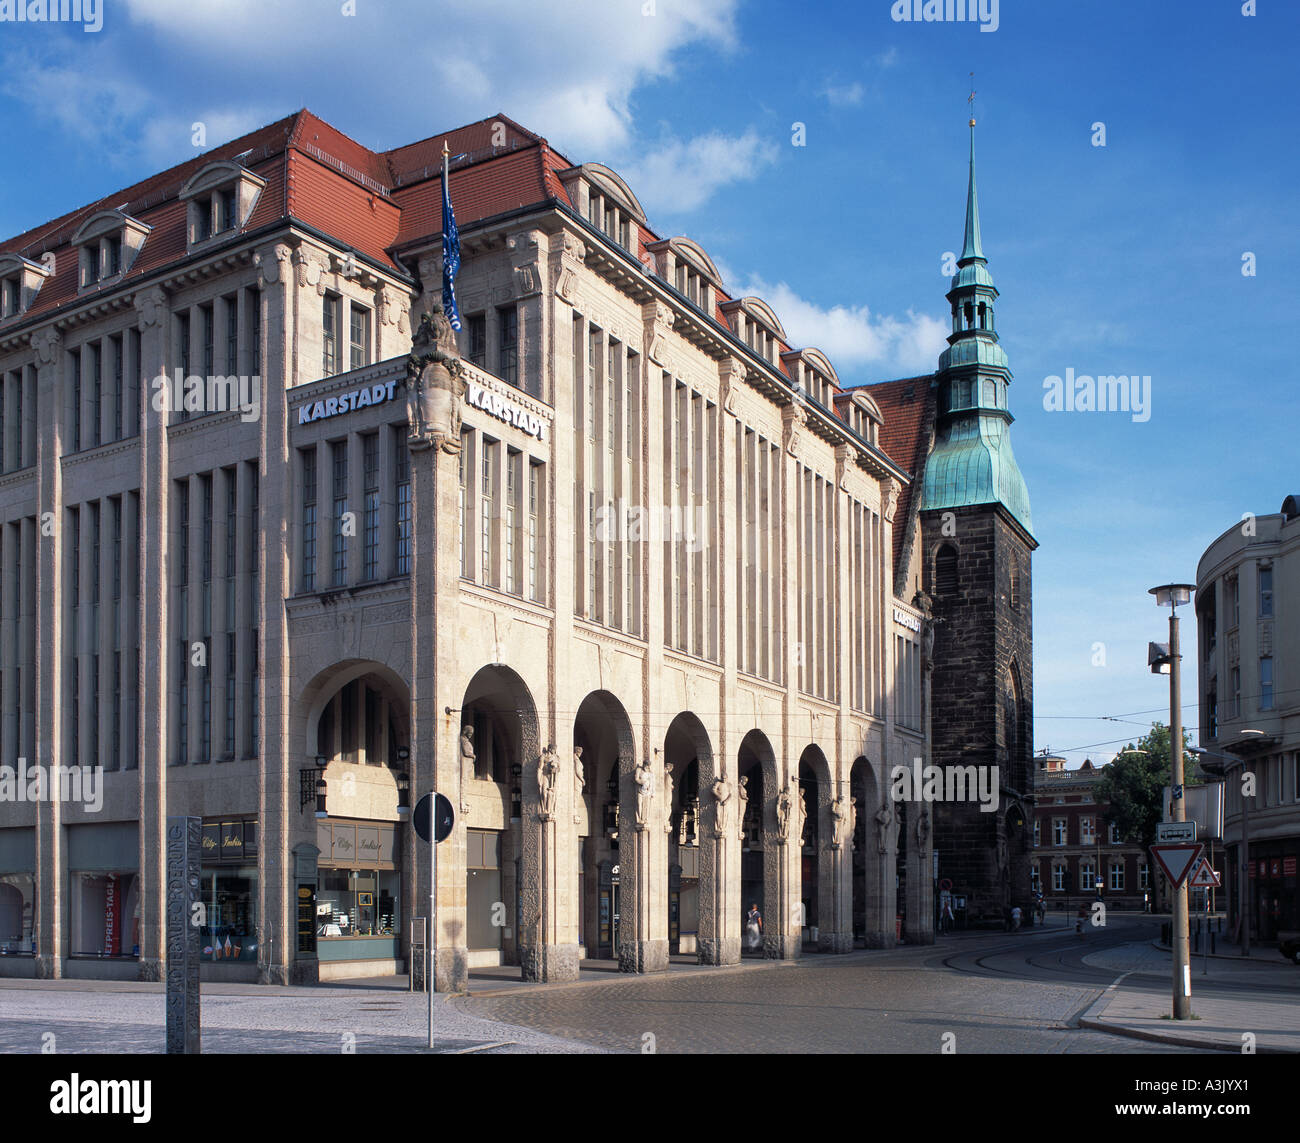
220,200
20,280
107,244
610,205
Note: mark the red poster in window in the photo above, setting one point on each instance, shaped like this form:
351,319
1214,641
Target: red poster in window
112,917
1288,866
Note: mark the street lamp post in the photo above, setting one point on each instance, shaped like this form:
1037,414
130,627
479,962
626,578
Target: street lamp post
1171,595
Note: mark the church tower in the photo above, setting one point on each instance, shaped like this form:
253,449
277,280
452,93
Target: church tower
977,537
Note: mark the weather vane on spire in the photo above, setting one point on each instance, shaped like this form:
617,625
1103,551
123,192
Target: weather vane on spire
971,99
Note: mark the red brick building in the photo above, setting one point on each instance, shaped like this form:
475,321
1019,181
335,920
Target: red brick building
1073,844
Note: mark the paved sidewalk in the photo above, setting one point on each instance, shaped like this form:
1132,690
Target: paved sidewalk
1264,1019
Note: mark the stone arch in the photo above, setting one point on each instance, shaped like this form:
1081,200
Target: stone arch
764,881
1016,734
945,578
868,861
688,752
825,857
498,704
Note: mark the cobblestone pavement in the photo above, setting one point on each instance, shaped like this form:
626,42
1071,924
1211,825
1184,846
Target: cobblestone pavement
982,994
83,1017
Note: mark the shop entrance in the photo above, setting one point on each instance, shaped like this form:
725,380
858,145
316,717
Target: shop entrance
608,912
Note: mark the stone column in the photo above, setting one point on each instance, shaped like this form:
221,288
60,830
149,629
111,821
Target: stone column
283,295
155,664
51,872
642,880
548,948
835,871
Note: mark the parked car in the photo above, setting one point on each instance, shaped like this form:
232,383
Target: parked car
1288,945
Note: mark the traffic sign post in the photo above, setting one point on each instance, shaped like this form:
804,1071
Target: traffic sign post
1177,860
1203,877
432,810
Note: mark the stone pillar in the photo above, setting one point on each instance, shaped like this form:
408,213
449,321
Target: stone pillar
548,948
51,873
835,871
719,832
643,881
283,296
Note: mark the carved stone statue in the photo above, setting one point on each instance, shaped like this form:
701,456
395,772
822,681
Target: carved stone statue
802,807
548,771
884,819
579,784
434,384
853,820
924,604
644,780
923,828
742,794
783,807
721,795
668,798
468,759
838,815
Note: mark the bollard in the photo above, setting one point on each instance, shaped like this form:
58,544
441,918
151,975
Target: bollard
1213,943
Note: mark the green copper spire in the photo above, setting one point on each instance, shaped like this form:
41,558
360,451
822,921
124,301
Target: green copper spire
972,462
972,248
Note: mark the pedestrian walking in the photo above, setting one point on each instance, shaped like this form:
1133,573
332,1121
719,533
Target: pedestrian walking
946,917
754,926
1015,917
1078,920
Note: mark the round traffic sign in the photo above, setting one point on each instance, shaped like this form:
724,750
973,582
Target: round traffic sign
444,817
944,883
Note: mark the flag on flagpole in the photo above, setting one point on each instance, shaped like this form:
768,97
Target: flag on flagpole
450,253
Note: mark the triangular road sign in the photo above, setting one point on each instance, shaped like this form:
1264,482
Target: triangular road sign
1177,859
1204,877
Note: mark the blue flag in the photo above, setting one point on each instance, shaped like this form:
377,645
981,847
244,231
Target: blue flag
450,257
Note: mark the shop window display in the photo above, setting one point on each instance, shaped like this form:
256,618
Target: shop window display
16,909
105,914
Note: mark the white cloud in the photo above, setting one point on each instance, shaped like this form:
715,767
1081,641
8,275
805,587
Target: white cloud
679,175
565,70
851,335
843,95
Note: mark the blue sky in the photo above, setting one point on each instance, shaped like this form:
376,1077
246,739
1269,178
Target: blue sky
1123,259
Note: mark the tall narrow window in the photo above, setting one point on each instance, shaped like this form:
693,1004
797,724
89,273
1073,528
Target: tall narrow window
945,570
228,747
487,513
255,698
476,339
232,334
183,355
96,392
514,479
402,480
359,336
339,454
370,467
254,332
534,497
309,519
1265,593
119,377
74,359
1266,683
508,345
330,335
207,328
461,549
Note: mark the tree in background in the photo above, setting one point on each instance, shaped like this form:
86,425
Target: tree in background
1132,786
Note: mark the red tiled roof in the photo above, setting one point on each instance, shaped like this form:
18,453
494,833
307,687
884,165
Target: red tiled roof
907,406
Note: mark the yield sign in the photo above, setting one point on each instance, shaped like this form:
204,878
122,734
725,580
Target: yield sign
1204,877
1177,859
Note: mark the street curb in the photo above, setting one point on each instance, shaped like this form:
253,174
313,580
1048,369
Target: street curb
1238,959
1092,1019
